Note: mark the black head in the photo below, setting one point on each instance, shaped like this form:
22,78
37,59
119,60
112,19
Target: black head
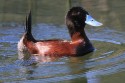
76,17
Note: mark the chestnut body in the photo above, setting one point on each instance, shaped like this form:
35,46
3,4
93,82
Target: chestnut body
79,44
57,47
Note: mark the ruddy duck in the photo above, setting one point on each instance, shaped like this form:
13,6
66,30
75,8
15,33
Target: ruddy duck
76,19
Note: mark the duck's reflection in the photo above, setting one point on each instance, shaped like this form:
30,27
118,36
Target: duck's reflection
32,60
51,67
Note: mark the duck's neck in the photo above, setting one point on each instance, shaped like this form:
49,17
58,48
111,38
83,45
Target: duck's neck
78,34
81,41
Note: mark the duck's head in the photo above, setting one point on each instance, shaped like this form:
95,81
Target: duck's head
78,17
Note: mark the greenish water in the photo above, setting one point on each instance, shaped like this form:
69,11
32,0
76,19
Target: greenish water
105,65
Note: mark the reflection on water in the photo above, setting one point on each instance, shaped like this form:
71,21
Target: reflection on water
108,60
105,65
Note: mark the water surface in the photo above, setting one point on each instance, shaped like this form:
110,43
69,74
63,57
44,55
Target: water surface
105,65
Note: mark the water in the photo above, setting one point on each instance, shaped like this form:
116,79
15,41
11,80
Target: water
105,65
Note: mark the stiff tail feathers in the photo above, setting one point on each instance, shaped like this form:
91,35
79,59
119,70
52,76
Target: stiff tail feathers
28,23
28,27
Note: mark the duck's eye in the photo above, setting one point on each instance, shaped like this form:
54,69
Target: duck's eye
75,13
78,13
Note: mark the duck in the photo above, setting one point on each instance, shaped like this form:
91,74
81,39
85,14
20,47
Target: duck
75,20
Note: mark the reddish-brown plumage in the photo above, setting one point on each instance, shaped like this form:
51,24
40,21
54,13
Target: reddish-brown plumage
79,44
53,47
